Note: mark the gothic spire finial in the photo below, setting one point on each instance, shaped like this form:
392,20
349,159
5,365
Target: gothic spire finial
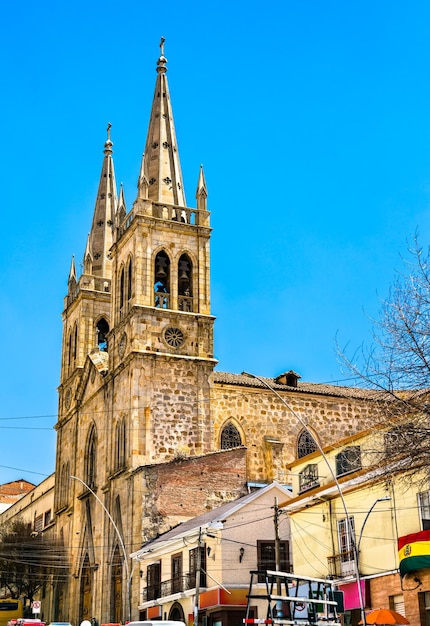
108,143
161,63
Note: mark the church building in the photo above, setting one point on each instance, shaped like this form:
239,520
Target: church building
149,432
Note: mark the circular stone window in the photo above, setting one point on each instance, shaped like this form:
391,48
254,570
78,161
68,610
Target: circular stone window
174,337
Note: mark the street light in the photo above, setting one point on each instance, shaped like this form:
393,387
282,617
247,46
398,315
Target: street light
333,475
120,539
366,518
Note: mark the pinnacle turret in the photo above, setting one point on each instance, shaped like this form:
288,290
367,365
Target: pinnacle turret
201,191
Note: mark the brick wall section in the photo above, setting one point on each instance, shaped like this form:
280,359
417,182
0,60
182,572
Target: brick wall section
186,488
381,589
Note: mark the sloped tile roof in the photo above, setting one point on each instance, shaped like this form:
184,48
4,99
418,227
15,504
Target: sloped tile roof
243,380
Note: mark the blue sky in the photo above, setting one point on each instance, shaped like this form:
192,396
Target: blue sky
312,121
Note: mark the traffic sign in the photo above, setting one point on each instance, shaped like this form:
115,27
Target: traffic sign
36,606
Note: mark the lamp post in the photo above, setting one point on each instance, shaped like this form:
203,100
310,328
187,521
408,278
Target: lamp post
333,475
120,539
366,518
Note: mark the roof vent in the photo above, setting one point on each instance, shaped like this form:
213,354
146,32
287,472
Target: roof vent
289,378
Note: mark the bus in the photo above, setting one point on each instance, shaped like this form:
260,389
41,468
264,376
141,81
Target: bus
10,609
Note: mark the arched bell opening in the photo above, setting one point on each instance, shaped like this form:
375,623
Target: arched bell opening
102,330
161,281
185,283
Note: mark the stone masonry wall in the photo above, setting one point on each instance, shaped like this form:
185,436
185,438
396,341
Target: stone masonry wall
262,418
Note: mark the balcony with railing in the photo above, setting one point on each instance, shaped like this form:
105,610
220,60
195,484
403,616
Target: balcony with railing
170,212
172,586
342,565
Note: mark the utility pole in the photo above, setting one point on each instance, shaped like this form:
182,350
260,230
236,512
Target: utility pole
277,542
198,570
277,557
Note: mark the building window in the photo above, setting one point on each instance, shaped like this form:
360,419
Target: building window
119,461
129,280
75,342
230,437
38,523
424,508
349,460
177,573
308,478
397,603
91,459
64,482
47,518
266,557
306,444
153,581
345,533
194,566
121,289
399,438
424,606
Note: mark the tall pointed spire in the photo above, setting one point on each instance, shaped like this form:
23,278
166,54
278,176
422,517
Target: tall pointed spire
100,237
161,169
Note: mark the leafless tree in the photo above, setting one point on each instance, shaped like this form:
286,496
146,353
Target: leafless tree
28,560
398,362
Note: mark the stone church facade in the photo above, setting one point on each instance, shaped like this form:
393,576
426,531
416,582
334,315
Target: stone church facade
148,430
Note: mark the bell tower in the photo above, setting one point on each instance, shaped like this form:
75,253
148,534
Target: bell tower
87,306
162,332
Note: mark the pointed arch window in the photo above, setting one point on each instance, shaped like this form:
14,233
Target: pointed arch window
129,279
102,330
64,481
230,437
119,460
306,444
185,284
116,586
69,350
121,289
162,281
91,459
75,342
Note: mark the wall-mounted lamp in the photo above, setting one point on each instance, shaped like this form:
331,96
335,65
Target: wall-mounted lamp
241,553
208,550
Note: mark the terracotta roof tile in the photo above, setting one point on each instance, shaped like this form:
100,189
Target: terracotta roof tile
243,380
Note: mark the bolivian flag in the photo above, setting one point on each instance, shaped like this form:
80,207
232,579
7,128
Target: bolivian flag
414,551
